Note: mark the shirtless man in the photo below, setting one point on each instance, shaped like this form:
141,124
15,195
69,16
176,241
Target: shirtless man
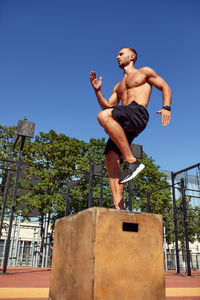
124,122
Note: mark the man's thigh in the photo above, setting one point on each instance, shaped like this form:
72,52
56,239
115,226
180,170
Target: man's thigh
111,146
132,117
106,113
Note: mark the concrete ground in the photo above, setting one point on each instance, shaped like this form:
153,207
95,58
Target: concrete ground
22,283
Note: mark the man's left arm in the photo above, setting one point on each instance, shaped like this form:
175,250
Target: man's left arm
160,84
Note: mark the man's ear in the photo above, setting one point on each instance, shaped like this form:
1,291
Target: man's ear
133,57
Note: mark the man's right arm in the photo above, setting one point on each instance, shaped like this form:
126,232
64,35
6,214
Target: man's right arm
113,100
161,85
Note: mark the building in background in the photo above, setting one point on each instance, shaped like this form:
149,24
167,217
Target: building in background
26,246
192,183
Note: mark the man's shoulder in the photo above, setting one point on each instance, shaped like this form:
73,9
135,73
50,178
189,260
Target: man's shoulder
116,86
146,70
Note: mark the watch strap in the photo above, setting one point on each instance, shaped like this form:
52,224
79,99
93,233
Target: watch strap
167,107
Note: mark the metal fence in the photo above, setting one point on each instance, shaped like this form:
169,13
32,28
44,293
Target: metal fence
27,253
34,251
170,261
27,248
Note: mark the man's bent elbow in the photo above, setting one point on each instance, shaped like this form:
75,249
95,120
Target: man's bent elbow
169,90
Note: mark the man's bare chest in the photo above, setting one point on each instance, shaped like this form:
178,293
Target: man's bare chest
132,81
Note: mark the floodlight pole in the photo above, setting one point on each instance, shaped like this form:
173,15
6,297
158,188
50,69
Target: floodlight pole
13,205
5,195
25,129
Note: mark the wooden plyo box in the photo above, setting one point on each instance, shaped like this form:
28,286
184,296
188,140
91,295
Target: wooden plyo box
108,254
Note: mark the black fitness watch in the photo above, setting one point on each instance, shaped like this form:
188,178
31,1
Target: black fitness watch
167,107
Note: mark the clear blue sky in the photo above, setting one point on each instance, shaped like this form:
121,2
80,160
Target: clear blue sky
47,49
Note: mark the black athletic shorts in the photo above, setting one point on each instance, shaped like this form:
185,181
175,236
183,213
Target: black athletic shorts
133,118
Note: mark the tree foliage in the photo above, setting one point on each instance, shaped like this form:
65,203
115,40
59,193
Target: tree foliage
52,162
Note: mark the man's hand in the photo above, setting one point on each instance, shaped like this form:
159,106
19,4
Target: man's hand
165,116
94,81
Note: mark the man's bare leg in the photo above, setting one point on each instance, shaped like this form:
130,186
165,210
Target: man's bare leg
114,173
116,133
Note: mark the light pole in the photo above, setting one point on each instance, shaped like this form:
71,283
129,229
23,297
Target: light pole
24,129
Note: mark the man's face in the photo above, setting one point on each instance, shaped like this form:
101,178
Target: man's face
124,57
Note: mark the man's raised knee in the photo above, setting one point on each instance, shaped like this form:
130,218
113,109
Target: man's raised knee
103,117
100,117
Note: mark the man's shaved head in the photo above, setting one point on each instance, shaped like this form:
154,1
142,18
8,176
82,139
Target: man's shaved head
132,50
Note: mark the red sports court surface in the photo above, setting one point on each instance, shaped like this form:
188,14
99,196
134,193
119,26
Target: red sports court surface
33,283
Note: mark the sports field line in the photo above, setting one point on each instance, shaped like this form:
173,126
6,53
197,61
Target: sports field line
8,293
182,292
26,293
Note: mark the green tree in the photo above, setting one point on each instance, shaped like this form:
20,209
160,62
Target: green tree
52,160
